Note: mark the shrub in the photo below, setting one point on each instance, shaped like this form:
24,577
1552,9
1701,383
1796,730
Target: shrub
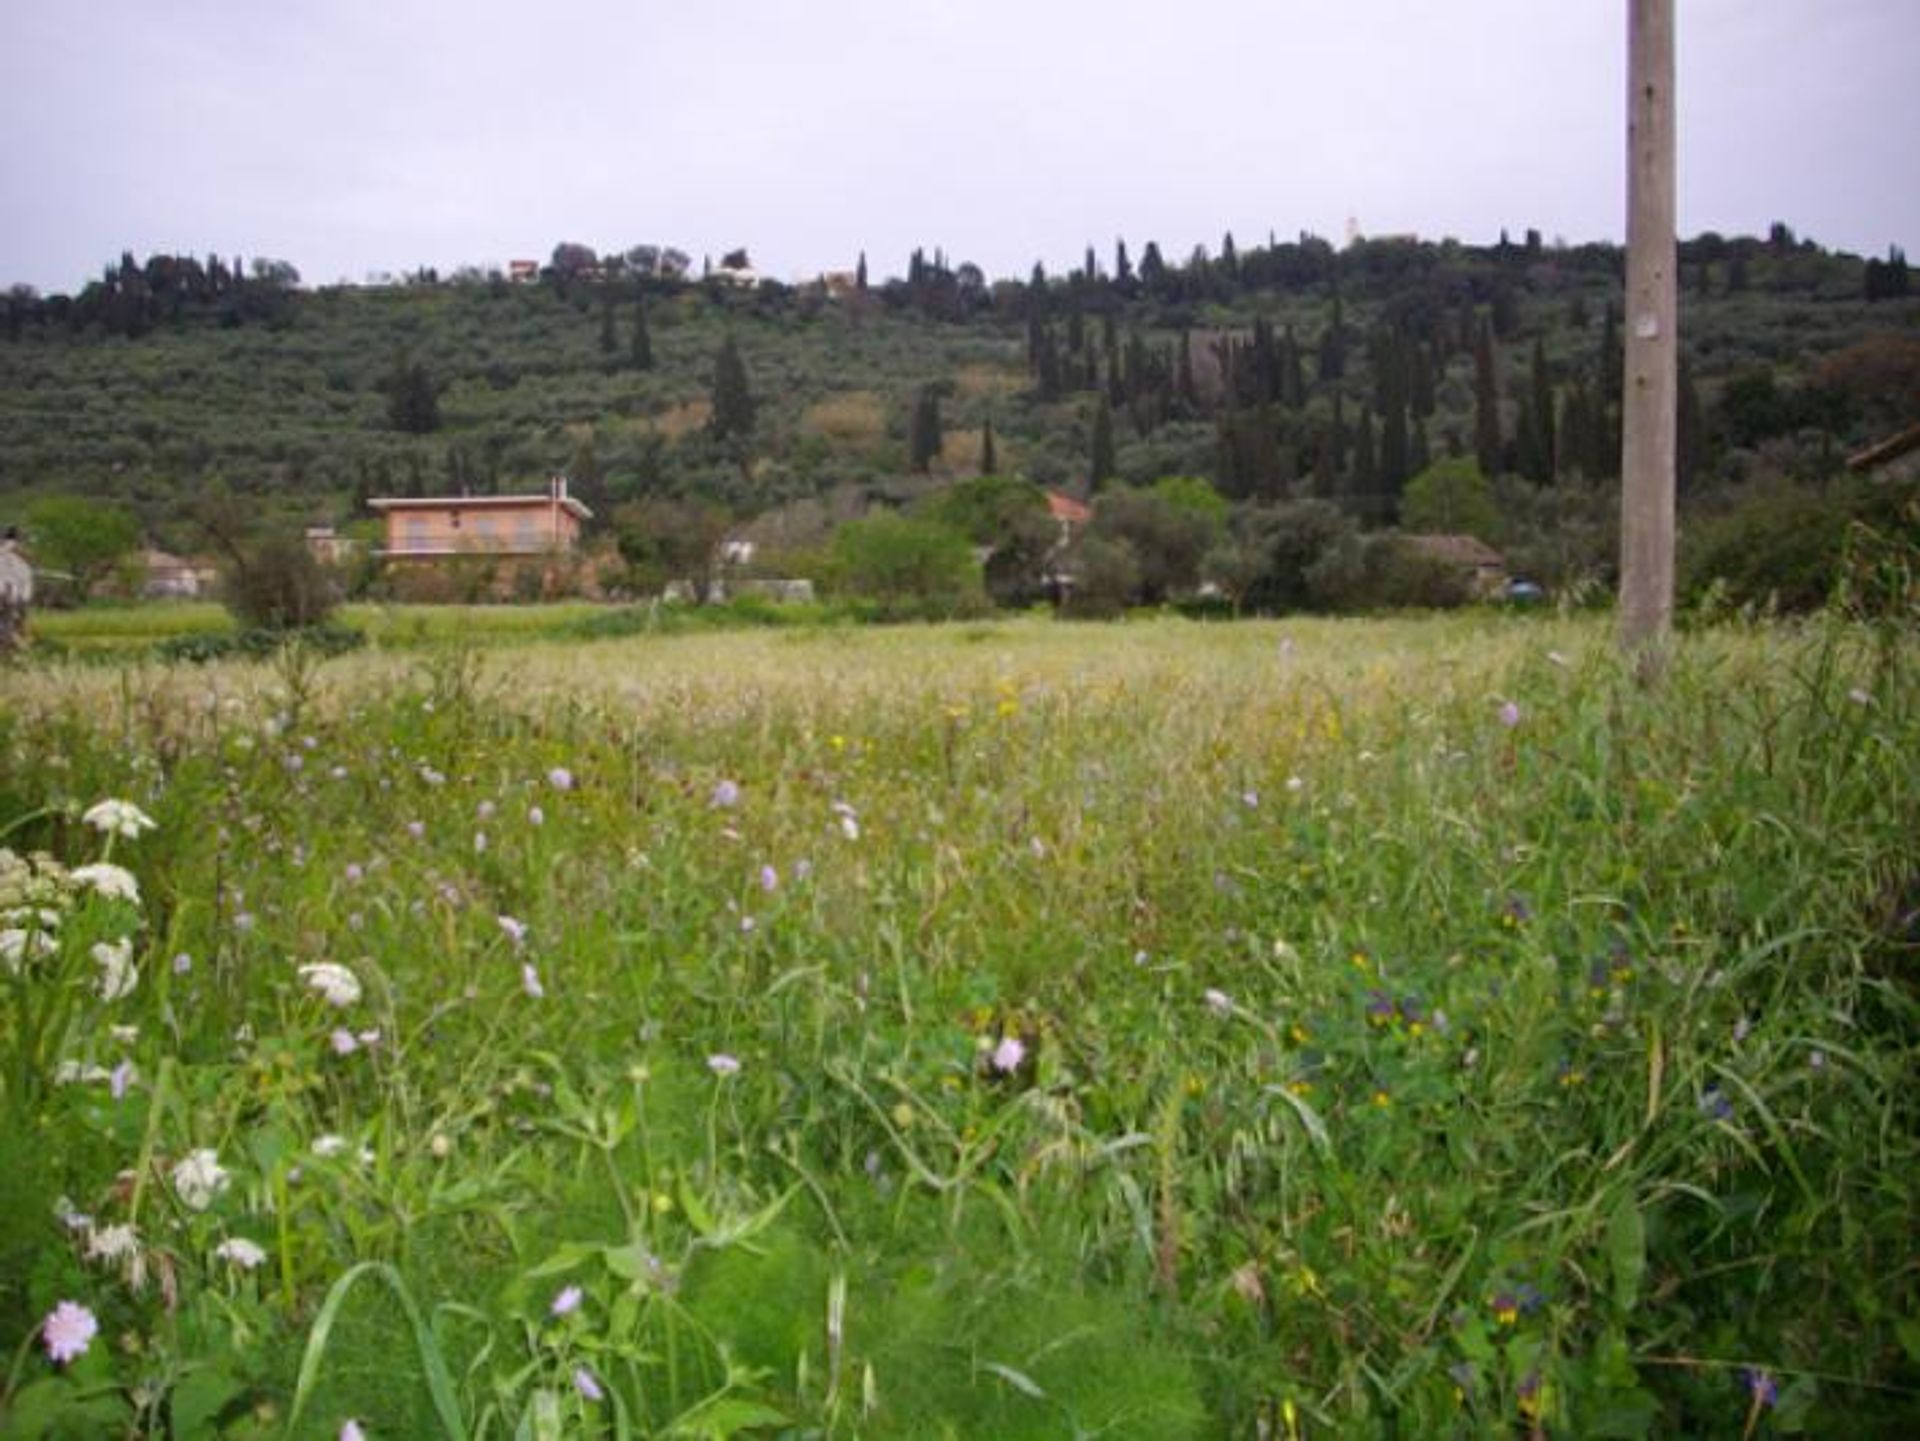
912,567
275,584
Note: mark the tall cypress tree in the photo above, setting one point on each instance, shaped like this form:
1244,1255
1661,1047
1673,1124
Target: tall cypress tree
609,337
1100,460
1366,474
926,440
732,417
1549,453
989,460
1486,403
640,353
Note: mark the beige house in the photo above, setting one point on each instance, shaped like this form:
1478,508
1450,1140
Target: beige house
428,528
168,576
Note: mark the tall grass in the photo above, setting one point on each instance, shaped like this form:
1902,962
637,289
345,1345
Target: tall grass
1009,1030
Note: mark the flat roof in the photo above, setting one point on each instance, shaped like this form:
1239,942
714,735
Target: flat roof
475,502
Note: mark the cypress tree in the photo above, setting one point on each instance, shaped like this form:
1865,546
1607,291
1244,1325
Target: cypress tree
609,337
1690,440
1100,467
1122,267
989,461
860,275
1420,386
1549,456
640,354
732,417
925,441
1486,403
1419,453
1365,472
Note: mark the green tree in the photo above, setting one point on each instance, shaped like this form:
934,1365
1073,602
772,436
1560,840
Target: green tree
909,566
413,400
273,582
81,539
663,541
1486,402
733,406
1100,459
925,441
640,351
1452,497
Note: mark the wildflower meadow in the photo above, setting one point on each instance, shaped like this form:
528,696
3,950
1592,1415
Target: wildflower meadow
1334,1028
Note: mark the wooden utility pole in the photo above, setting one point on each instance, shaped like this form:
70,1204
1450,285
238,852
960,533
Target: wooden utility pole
1652,356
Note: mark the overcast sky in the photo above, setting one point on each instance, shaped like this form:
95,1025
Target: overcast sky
349,136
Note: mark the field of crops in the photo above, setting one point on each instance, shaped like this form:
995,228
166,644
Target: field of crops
1330,1028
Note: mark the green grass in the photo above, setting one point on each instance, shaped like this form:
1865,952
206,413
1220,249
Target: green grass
1382,1068
125,629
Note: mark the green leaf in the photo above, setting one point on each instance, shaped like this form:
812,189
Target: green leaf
1627,1251
200,1398
726,1417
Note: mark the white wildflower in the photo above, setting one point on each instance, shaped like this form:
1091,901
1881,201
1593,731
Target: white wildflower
119,818
116,883
334,981
118,976
329,1145
239,1251
17,945
200,1178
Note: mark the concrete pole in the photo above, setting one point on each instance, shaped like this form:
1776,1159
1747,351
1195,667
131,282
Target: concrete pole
1647,461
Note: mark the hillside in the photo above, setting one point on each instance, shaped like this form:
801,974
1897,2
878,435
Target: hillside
1274,371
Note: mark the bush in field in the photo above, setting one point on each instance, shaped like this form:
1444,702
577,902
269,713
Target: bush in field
1384,572
910,566
1105,578
1451,497
1783,547
81,539
1168,539
274,583
1263,563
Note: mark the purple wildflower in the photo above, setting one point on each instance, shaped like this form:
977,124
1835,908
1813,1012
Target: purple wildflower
1761,1387
530,981
725,795
584,1383
769,879
1008,1055
1509,714
67,1332
567,1302
560,778
722,1064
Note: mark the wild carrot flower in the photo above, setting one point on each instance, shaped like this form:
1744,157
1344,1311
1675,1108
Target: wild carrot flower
118,818
199,1178
1218,1001
67,1332
333,981
113,1243
567,1302
329,1145
238,1251
118,976
116,883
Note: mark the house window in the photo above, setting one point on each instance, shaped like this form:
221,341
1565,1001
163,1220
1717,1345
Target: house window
526,531
416,536
483,528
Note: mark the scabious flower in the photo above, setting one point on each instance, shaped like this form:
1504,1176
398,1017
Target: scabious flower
536,816
199,1178
1008,1055
769,879
1509,714
116,883
350,1431
560,778
586,1385
722,1064
118,976
530,981
516,929
726,795
118,818
1761,1387
343,1041
333,981
68,1330
567,1302
238,1251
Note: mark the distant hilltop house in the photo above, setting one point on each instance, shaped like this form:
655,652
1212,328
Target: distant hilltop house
1069,514
1484,567
432,528
840,283
329,547
1895,458
523,271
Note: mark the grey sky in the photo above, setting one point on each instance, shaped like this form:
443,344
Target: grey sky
359,135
